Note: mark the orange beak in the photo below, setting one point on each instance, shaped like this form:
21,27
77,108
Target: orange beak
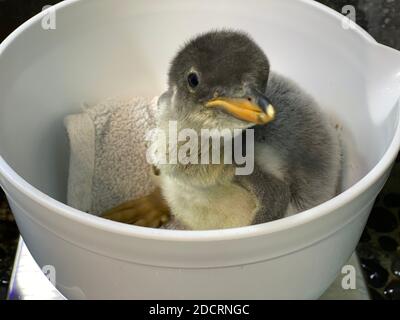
244,109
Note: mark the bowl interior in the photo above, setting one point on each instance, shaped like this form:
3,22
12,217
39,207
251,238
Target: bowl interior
100,49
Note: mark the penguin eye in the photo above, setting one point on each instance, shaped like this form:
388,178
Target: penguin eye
193,80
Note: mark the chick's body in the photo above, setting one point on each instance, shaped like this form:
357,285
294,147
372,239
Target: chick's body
297,166
221,80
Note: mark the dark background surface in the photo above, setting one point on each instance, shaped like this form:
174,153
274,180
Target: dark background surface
379,246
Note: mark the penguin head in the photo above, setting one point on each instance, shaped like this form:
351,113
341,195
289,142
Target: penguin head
218,80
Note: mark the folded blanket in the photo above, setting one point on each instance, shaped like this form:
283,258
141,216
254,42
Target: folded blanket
108,153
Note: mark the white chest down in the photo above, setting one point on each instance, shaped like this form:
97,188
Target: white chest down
216,207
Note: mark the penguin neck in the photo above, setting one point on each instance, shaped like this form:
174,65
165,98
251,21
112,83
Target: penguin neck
195,157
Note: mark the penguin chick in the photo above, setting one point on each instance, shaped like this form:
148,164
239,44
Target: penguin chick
222,80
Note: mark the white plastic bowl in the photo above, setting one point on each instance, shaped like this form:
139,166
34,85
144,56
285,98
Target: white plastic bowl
102,47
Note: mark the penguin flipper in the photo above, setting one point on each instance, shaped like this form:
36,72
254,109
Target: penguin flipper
271,193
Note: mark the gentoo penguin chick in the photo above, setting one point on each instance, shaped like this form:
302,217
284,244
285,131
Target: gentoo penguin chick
222,80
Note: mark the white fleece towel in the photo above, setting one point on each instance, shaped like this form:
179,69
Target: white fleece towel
108,163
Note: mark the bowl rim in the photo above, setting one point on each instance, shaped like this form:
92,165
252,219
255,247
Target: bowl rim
283,224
